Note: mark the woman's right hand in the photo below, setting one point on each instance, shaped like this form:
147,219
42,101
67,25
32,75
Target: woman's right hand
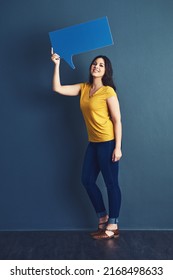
70,90
55,57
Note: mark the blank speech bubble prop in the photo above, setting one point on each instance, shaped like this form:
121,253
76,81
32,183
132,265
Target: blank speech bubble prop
81,38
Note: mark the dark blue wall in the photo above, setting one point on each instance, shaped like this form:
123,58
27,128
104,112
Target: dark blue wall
43,136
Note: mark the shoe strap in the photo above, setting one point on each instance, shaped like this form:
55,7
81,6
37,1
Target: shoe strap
102,224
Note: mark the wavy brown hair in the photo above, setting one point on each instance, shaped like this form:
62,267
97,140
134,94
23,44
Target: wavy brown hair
108,76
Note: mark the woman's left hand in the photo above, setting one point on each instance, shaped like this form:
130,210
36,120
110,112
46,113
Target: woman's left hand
116,155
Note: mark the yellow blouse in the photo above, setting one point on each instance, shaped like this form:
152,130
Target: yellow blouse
96,114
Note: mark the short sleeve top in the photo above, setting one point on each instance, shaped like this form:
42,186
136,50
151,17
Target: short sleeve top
96,114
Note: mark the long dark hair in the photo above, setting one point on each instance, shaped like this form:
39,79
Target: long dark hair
108,76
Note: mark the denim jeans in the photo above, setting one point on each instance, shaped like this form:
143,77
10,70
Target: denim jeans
98,158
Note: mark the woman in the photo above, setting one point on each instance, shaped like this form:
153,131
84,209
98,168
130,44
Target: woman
101,111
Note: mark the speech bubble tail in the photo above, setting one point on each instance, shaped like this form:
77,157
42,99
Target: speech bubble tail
70,62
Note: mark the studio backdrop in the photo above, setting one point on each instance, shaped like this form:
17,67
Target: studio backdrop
43,136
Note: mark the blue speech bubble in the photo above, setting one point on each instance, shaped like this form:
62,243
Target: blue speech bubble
81,38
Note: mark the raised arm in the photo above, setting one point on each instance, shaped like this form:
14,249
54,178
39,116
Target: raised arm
71,90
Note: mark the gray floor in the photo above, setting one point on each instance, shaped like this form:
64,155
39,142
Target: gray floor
76,245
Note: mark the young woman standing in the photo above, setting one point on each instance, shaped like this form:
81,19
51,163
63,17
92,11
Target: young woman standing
101,112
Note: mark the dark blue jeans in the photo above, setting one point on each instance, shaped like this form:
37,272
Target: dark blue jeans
98,158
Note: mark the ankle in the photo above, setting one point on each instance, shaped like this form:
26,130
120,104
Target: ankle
112,226
103,219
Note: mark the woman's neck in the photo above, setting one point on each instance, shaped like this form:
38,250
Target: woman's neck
97,83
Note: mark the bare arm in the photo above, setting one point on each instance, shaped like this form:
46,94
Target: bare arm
114,109
70,90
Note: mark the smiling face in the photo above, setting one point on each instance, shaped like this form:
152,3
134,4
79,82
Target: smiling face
97,69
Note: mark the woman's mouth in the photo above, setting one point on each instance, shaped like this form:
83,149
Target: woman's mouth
96,71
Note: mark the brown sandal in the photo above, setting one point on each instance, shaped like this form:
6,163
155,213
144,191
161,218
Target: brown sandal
100,229
104,235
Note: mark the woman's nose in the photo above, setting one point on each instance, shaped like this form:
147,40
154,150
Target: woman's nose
96,67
